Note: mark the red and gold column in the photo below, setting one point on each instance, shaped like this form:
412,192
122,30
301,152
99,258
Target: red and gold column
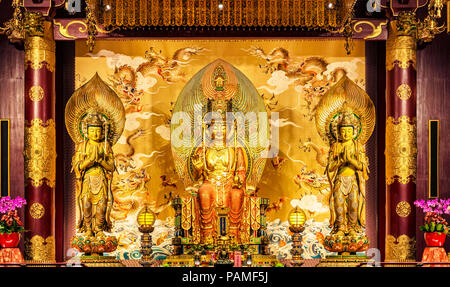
40,138
401,142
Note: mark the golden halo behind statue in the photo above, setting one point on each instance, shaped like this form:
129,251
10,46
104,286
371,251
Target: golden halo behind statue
94,97
343,97
217,84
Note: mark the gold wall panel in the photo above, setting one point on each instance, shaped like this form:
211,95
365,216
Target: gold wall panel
148,75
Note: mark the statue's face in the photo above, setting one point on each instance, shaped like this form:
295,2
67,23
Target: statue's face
218,132
346,133
95,133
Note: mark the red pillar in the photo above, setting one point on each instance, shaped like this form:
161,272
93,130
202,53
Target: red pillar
40,138
401,141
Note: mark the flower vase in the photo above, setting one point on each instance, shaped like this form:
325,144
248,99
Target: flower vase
434,239
9,240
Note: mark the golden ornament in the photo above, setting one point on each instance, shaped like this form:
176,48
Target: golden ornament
39,249
40,152
403,209
37,210
400,49
404,92
40,50
400,249
36,93
401,149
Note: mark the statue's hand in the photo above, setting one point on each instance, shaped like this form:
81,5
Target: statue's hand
237,182
346,157
89,161
97,156
354,162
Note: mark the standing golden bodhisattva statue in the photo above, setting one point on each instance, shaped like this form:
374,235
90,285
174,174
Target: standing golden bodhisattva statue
347,170
93,164
345,118
95,119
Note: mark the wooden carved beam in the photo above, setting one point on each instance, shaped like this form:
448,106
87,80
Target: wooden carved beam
72,29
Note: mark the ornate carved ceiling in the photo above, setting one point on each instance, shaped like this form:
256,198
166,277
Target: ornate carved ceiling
310,14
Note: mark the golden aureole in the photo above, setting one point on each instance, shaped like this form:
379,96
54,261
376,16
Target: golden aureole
37,210
345,119
401,150
403,209
219,167
36,93
95,120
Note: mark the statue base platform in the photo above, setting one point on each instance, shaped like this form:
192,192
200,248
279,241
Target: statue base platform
344,244
344,261
260,260
97,245
179,261
434,254
187,260
224,263
101,261
11,255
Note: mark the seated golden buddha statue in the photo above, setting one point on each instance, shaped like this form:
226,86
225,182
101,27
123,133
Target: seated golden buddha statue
220,166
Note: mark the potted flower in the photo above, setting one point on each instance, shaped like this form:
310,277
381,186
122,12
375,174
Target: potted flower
10,223
435,227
